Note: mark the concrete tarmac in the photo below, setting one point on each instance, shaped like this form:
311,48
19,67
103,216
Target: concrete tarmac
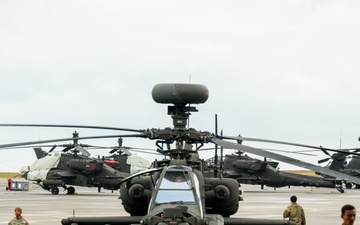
40,207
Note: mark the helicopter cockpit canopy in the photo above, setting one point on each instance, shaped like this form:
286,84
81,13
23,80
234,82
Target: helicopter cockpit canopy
176,187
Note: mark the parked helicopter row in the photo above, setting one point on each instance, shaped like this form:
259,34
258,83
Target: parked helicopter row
50,175
248,170
175,191
74,166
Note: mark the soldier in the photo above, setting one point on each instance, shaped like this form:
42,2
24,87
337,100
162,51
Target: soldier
295,212
348,214
18,220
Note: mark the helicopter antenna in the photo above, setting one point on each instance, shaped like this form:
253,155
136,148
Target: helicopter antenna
216,149
216,146
340,136
221,155
188,120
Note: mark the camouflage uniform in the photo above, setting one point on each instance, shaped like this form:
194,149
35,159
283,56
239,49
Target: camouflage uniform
295,213
17,221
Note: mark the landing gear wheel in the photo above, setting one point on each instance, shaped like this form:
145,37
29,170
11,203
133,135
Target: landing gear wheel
348,185
70,190
55,190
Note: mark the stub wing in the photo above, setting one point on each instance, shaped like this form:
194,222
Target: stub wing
115,220
250,221
63,174
214,220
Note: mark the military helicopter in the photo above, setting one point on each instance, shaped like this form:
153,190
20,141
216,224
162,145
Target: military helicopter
122,159
74,166
339,163
248,170
352,169
151,200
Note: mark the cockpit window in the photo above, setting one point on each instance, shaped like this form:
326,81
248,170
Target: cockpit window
175,197
175,188
176,180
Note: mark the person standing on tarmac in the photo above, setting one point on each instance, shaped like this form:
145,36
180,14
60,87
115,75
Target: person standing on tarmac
348,214
295,212
18,220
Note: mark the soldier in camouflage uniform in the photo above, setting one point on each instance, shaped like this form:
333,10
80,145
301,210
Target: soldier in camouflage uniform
18,220
295,212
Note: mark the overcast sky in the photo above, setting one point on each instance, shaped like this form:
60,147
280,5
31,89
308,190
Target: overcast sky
282,70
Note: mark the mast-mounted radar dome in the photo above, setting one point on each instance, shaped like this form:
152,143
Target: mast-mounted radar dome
171,93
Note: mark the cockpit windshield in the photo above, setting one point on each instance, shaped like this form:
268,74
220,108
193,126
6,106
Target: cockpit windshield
176,180
175,188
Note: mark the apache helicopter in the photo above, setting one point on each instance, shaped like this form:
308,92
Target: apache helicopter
352,169
74,166
248,170
339,163
151,200
123,160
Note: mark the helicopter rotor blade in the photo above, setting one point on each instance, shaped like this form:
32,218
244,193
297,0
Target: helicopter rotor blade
69,139
114,150
27,146
70,126
82,150
294,152
120,150
46,153
271,149
285,159
339,159
124,147
126,151
323,160
67,148
326,152
52,149
240,138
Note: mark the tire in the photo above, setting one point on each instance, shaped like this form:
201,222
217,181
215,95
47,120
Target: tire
55,190
348,185
70,190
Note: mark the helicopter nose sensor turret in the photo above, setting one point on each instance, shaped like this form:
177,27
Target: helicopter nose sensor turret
169,93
